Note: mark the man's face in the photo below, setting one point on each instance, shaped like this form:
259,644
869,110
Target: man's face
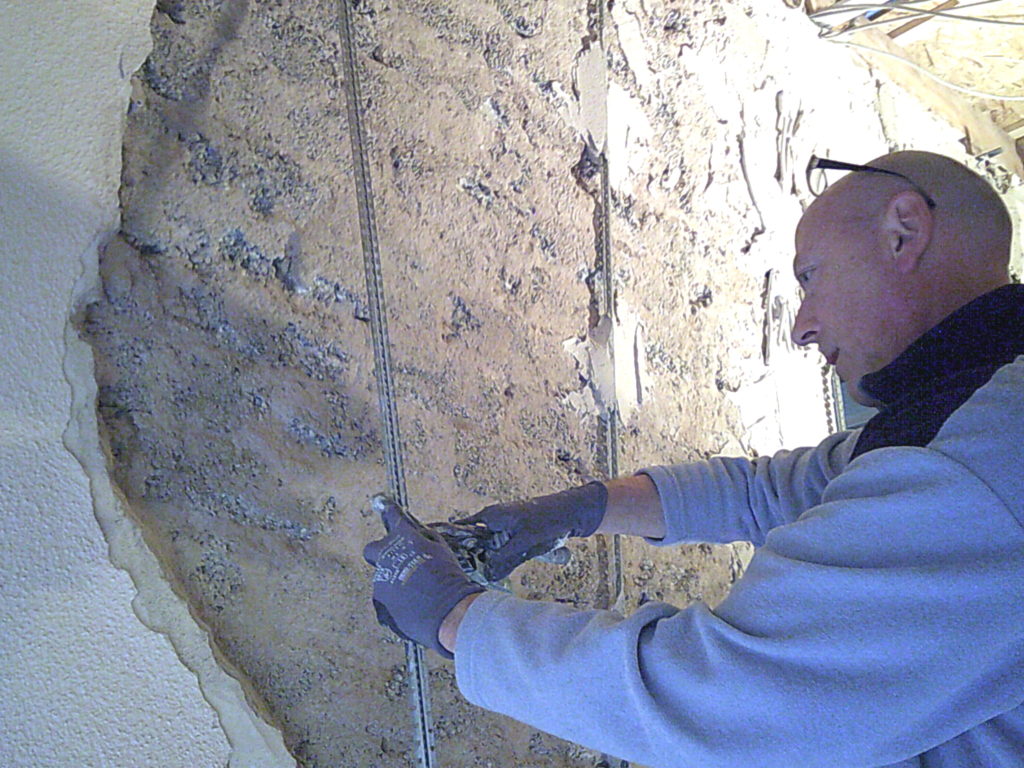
851,307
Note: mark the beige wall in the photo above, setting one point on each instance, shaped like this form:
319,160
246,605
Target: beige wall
84,681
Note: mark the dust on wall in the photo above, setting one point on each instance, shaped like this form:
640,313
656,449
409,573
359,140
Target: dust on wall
234,363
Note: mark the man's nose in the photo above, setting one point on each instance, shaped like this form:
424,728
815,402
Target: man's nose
805,327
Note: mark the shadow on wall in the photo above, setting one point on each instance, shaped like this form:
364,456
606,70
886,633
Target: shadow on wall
235,409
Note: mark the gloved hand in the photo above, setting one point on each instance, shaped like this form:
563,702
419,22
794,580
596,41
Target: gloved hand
418,580
526,529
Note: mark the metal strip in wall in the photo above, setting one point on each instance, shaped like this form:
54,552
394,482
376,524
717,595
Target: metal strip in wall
415,665
611,426
606,308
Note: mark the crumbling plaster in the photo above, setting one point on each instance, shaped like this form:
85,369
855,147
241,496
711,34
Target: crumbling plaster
91,657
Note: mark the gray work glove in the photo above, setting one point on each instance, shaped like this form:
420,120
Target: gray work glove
417,581
526,529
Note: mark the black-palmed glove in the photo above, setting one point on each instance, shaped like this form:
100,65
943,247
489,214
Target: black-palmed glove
417,581
527,529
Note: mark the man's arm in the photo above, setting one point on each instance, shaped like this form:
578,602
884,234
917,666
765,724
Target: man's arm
874,628
634,508
718,500
725,499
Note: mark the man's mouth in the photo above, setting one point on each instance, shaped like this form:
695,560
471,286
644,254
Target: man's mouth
832,356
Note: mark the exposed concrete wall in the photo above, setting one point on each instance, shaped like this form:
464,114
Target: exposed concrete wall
234,364
84,681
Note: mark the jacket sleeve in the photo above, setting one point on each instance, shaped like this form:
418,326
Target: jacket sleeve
887,620
727,499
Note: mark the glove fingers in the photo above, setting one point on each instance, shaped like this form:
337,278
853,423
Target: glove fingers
495,516
371,552
541,548
501,562
388,510
472,519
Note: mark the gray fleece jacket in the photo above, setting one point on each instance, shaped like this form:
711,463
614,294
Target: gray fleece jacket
880,622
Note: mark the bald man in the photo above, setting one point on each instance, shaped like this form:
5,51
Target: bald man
881,619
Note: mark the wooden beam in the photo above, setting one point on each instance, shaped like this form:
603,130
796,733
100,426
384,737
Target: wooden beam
914,23
983,135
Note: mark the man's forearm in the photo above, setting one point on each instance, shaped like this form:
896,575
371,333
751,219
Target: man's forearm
634,508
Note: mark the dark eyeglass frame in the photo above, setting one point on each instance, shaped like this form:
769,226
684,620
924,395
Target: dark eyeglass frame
825,164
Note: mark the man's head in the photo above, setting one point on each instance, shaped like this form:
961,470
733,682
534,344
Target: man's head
879,267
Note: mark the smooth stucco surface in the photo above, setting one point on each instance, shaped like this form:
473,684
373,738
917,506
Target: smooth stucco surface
102,664
84,681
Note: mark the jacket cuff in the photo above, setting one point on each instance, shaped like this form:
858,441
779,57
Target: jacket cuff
471,645
670,494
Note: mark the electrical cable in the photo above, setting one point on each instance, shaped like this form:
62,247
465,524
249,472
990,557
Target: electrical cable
928,73
918,12
908,16
908,12
832,33
912,12
907,5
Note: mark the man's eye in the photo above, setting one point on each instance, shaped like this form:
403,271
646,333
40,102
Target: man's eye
804,276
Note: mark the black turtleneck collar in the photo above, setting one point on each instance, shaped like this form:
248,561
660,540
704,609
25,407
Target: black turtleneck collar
941,370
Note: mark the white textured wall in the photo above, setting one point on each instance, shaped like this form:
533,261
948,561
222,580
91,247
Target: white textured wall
83,681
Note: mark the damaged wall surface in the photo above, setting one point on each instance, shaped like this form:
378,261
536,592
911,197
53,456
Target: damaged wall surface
582,210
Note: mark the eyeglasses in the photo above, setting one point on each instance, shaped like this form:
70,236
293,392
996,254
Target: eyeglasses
817,183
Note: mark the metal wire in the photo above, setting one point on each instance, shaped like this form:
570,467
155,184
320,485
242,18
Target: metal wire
918,13
416,667
907,13
907,16
907,7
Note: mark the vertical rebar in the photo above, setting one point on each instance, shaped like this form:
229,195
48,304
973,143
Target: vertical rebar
415,664
609,424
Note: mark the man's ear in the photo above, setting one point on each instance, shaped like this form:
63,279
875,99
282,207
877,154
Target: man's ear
908,229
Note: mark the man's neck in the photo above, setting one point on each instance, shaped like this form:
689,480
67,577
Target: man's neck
988,329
